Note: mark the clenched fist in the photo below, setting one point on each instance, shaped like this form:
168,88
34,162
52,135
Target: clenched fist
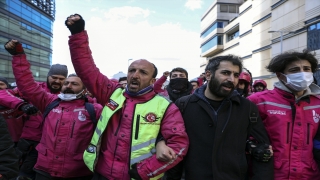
14,47
75,23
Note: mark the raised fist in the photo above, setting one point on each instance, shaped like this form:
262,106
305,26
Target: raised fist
75,23
14,47
166,73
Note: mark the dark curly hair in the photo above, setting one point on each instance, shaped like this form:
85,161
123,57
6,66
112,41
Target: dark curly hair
279,62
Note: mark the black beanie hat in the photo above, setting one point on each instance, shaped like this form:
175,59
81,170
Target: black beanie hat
5,81
58,69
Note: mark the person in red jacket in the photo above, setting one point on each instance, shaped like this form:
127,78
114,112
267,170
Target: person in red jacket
259,85
127,115
14,109
32,129
67,128
291,114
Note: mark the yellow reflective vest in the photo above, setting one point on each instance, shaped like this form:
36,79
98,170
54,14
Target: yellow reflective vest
146,126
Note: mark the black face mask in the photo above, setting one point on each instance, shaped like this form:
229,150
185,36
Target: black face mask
240,91
179,84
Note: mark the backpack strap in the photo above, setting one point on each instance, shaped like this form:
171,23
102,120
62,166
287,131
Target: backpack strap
253,118
52,105
92,112
183,102
89,107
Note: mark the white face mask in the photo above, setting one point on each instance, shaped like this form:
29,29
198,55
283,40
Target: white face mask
70,97
299,81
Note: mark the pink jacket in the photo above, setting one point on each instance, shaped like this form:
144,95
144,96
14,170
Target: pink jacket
67,129
292,125
11,113
32,129
113,162
157,87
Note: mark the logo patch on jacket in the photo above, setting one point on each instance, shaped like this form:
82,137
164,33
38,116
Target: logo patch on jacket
316,116
81,116
150,118
277,112
112,105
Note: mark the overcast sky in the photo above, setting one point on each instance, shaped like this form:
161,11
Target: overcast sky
165,32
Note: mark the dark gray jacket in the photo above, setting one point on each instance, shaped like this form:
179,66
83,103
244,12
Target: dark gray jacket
218,139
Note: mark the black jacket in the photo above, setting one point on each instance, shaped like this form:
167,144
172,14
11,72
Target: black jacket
218,140
8,158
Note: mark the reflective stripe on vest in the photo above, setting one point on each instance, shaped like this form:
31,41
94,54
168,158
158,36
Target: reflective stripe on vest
92,152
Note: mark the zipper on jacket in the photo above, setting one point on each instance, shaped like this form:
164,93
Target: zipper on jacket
131,137
308,132
55,130
74,122
116,133
288,132
137,127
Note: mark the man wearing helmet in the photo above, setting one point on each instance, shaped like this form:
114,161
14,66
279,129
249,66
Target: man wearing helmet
243,86
259,85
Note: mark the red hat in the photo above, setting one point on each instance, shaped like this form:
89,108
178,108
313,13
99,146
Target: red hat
260,81
245,76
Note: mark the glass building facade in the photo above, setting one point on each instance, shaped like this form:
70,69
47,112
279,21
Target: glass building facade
30,22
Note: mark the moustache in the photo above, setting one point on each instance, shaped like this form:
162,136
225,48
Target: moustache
55,84
68,91
228,84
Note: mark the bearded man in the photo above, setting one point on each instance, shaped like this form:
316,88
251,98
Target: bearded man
218,122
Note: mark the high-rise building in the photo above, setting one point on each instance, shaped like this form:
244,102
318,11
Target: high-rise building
30,22
259,30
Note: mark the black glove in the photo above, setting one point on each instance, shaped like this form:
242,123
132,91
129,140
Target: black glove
77,27
29,109
134,172
18,49
260,151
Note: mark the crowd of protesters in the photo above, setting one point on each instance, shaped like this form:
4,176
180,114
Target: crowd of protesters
221,125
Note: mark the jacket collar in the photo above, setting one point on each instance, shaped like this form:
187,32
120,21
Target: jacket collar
234,96
312,90
142,98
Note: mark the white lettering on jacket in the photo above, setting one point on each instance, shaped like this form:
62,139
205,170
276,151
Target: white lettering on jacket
277,112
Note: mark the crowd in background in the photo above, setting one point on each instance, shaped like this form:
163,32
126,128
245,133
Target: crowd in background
220,125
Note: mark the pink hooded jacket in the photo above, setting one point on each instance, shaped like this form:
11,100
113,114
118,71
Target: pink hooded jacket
113,161
11,112
291,125
67,129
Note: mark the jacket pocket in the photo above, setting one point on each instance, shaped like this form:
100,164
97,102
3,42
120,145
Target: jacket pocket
277,164
41,149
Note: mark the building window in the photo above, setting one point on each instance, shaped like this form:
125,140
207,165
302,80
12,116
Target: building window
217,40
313,37
212,28
232,35
229,8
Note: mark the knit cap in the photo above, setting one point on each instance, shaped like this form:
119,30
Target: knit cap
58,69
5,81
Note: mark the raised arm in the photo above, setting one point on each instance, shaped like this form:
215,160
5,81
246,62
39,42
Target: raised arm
24,78
99,85
158,84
